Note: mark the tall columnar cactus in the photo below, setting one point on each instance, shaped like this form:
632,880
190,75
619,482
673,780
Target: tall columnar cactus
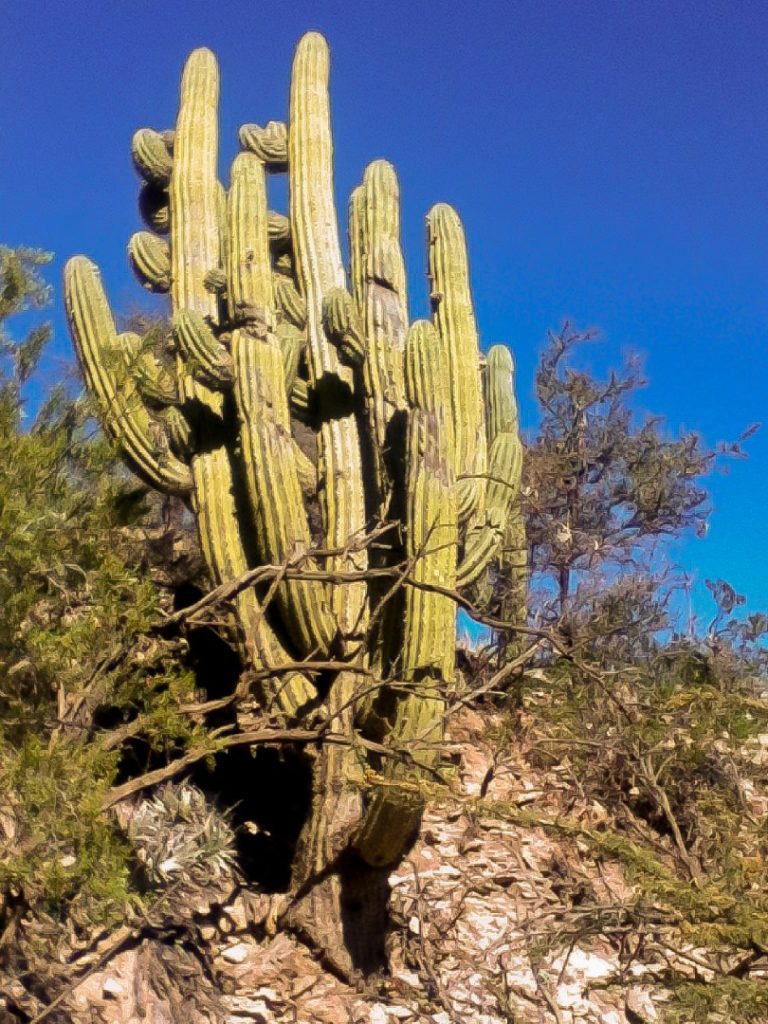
375,466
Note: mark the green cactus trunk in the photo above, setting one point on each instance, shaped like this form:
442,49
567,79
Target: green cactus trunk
310,430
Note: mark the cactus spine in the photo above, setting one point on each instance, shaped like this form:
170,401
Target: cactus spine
270,347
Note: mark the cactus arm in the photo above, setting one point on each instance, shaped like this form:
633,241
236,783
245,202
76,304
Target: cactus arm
205,357
150,259
105,367
501,406
378,279
484,540
343,326
195,249
306,470
455,321
282,528
196,243
378,283
151,157
179,432
194,188
301,400
292,343
319,269
156,385
270,144
431,546
279,232
291,305
502,414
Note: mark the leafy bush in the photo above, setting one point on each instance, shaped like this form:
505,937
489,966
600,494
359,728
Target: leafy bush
76,647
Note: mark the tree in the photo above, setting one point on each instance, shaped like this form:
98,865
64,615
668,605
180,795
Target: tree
655,719
602,492
76,655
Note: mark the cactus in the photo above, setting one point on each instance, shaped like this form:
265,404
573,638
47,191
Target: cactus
268,341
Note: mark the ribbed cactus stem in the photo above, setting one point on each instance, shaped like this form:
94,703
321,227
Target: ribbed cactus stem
306,470
151,157
196,244
455,320
279,228
428,663
156,385
194,187
290,304
292,343
500,400
317,254
150,259
503,417
342,324
378,281
105,366
484,541
299,415
485,535
301,400
204,355
179,432
282,528
270,143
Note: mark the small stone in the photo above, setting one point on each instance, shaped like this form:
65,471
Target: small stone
448,870
245,1006
266,993
408,978
640,1004
414,925
112,988
237,915
236,954
378,1014
610,1017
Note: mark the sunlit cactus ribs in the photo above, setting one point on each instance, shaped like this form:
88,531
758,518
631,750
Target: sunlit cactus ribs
375,466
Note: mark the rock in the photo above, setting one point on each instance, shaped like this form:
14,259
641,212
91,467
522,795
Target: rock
639,1002
111,987
236,954
250,1008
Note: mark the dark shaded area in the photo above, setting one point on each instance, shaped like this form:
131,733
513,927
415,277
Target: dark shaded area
365,913
266,794
333,398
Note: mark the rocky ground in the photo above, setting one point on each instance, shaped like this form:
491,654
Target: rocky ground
493,922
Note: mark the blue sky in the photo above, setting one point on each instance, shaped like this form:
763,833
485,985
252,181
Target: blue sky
609,160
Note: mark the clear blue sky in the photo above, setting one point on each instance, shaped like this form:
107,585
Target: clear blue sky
609,159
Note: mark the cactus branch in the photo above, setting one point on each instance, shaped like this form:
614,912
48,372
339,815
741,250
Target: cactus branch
122,412
319,269
282,529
